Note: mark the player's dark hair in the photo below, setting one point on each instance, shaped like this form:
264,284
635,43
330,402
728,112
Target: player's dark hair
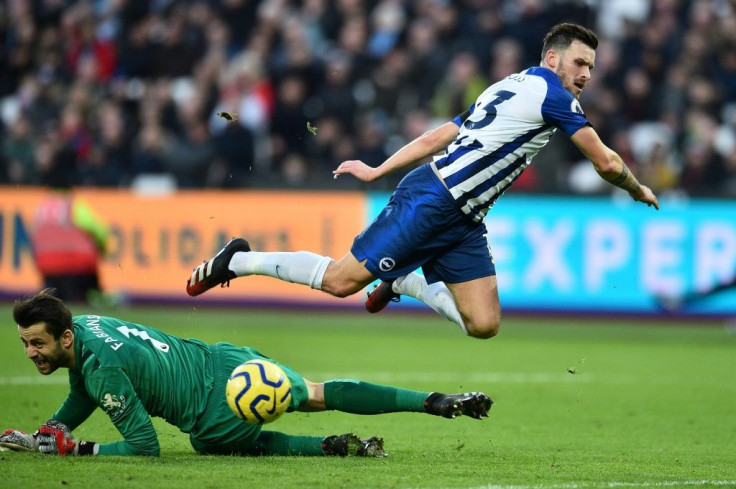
562,35
43,308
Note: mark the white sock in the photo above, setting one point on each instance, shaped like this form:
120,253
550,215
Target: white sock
300,267
437,296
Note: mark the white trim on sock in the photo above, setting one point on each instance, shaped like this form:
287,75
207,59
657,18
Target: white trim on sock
318,273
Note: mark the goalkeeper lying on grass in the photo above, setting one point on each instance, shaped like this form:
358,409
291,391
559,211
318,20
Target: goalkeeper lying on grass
134,372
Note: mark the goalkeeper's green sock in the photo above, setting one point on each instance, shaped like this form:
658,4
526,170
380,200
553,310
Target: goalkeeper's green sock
357,397
275,443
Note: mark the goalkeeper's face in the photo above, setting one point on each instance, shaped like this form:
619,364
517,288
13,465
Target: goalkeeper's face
46,352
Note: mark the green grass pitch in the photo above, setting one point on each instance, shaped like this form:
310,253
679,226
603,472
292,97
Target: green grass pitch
578,404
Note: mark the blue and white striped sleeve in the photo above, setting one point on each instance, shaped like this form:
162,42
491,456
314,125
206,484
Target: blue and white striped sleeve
460,118
563,111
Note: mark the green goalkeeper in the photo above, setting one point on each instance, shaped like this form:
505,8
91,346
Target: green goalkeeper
135,372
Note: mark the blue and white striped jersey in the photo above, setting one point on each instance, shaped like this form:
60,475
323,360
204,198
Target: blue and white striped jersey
509,123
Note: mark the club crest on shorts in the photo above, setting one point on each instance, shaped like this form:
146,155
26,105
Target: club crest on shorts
386,264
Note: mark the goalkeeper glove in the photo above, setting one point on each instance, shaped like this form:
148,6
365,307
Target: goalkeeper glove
18,441
55,438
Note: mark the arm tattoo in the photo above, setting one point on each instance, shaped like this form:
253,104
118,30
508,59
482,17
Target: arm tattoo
626,180
622,177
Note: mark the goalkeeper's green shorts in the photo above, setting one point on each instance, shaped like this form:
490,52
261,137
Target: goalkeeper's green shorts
218,430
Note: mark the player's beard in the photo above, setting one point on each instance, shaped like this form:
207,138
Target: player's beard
567,81
51,361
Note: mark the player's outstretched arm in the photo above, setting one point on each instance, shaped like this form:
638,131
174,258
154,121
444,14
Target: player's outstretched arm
611,167
429,143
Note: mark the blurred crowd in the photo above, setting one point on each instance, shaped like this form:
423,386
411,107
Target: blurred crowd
276,93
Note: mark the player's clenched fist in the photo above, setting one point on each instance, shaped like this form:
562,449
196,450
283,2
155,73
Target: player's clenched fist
55,438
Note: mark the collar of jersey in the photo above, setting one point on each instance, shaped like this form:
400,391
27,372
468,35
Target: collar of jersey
545,73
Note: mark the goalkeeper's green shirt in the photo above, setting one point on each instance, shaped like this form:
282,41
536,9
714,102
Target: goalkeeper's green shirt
134,372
